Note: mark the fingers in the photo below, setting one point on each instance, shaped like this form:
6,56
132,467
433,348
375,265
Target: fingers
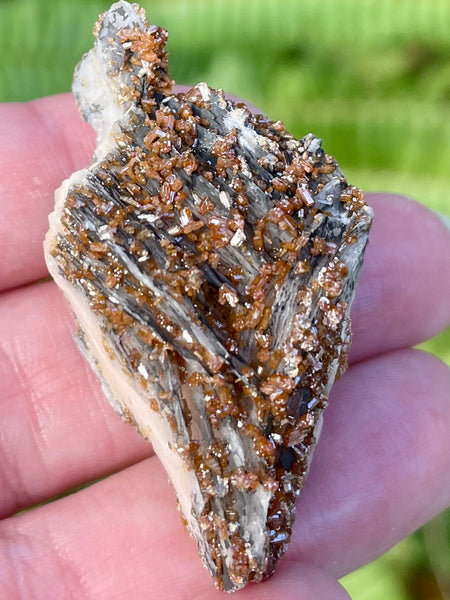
403,294
43,142
381,469
400,301
123,538
57,431
292,581
406,276
36,327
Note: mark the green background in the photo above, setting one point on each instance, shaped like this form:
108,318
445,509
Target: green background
371,77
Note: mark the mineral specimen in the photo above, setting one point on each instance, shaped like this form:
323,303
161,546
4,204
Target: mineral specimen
211,260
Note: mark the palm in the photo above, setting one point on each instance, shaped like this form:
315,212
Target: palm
382,467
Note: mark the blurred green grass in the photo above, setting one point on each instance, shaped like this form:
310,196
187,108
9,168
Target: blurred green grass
371,77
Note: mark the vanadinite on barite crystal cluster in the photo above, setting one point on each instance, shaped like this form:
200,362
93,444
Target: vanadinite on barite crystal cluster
211,260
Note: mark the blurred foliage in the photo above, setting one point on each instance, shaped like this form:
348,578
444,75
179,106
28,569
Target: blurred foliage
371,77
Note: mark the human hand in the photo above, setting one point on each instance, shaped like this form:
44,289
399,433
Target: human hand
381,469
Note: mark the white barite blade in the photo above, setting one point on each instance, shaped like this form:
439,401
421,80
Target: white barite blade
211,261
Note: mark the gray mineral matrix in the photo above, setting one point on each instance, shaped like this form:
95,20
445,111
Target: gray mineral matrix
211,261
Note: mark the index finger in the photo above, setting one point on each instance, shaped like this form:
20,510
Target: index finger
44,141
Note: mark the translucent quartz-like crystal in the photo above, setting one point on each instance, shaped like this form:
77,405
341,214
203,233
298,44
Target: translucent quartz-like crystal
211,260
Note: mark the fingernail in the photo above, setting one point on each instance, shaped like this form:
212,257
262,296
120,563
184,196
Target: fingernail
444,218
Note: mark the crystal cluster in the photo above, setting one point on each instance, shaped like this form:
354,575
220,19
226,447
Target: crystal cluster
211,260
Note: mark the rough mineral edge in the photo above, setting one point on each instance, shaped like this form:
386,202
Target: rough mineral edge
235,541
